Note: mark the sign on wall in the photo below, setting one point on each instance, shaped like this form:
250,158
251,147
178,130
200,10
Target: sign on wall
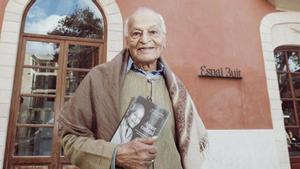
222,72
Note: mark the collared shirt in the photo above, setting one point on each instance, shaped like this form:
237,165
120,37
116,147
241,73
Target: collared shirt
149,75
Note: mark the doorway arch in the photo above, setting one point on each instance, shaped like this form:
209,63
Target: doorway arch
9,44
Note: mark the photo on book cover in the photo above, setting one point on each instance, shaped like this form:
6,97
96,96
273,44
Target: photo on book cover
142,119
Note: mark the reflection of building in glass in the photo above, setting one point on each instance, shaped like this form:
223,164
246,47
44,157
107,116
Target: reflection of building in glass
33,141
73,79
38,80
36,110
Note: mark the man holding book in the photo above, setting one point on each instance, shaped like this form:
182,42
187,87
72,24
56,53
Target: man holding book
91,117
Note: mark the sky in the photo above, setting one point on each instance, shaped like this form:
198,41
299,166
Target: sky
41,50
44,15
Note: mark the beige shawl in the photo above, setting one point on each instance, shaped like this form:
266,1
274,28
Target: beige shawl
93,111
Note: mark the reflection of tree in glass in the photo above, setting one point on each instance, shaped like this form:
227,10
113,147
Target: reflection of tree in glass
279,60
81,23
81,56
293,62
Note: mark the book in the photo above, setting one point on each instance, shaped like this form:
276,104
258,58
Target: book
142,119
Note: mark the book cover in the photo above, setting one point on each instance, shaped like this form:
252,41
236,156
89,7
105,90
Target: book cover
141,120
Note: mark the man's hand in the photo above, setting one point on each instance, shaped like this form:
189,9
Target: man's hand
137,153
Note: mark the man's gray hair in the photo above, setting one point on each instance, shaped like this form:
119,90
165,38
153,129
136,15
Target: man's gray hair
145,10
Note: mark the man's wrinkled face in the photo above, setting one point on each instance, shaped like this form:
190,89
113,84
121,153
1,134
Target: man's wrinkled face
145,39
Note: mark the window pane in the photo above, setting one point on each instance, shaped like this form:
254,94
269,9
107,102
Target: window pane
32,141
41,54
73,79
289,113
36,110
284,85
39,81
80,56
296,84
78,18
293,60
293,141
280,61
30,167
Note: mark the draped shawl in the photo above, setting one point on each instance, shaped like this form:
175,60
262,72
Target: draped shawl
93,111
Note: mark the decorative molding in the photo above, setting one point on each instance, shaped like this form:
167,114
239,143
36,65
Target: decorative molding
295,30
270,40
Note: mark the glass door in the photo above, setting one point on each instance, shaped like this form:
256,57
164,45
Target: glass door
51,70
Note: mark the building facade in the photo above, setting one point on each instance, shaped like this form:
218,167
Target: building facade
238,59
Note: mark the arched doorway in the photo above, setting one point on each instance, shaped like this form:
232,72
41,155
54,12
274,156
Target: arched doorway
278,30
59,43
288,67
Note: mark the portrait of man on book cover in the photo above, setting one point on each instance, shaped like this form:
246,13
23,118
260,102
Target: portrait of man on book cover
125,131
143,119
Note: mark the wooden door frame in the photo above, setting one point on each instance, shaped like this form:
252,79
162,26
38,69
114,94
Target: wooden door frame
53,161
11,131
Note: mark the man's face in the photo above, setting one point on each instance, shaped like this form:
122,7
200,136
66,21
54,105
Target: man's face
136,116
145,38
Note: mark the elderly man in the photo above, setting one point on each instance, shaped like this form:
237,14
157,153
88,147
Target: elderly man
88,121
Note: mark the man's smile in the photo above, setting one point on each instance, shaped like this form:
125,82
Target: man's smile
144,49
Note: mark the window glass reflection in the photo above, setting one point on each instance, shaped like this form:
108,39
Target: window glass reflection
288,68
280,61
296,84
41,54
32,141
80,56
284,85
293,141
73,79
39,81
36,110
78,18
293,61
288,112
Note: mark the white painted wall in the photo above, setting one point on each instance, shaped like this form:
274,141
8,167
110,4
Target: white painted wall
242,149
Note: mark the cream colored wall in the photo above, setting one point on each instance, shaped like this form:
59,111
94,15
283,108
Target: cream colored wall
278,29
242,149
9,38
